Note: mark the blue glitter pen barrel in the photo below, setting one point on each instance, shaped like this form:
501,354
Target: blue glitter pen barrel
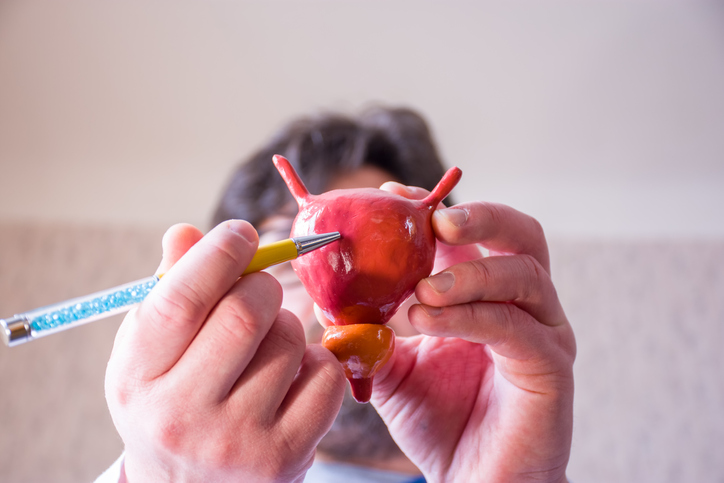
71,313
81,310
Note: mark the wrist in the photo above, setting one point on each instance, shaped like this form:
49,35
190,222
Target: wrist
158,470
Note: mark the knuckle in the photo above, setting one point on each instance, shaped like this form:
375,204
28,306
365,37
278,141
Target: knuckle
331,370
182,308
117,395
567,340
168,432
326,366
508,318
235,323
537,229
495,213
273,289
262,290
229,250
472,314
122,390
533,276
222,452
179,434
287,333
242,314
482,272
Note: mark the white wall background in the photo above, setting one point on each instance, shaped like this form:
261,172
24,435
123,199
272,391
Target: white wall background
600,119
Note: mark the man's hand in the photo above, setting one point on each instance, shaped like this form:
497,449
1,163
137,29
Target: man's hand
487,393
209,380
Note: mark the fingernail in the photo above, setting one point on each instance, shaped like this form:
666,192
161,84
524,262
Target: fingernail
455,216
442,282
243,229
431,311
391,185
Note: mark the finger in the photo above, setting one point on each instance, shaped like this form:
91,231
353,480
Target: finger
518,279
322,318
314,397
497,227
175,243
169,318
266,380
230,337
507,329
409,192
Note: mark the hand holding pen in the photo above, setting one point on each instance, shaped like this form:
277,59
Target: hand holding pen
81,310
210,358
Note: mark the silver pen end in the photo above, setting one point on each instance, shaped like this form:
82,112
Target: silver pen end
308,243
14,330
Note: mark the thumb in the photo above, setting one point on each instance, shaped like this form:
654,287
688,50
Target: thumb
175,243
322,317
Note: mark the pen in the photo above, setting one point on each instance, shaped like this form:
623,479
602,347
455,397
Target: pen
71,313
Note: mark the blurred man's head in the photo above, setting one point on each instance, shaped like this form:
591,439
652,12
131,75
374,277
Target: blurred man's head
325,148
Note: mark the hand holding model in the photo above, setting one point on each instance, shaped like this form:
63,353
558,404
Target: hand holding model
487,393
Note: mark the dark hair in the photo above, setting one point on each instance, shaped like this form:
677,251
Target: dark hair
395,140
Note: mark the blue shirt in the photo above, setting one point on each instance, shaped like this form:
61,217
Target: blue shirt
332,472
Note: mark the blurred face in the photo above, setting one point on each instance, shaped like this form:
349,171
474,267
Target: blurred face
296,299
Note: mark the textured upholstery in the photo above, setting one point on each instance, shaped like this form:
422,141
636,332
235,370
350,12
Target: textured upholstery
649,322
54,423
